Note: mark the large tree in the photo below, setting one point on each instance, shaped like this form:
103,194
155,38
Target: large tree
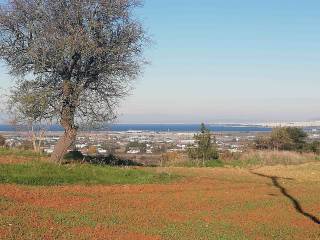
82,54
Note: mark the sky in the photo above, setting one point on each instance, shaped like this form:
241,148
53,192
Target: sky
226,61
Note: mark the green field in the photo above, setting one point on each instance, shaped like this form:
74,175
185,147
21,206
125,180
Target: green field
40,200
39,173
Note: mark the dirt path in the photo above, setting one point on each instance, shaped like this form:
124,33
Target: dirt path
265,203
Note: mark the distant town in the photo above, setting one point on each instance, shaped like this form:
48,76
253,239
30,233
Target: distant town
143,145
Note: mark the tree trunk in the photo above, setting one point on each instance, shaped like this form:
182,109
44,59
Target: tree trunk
67,122
64,143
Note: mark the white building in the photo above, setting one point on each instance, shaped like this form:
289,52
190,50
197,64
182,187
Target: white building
102,151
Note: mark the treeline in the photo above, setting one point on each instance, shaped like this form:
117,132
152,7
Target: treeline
287,139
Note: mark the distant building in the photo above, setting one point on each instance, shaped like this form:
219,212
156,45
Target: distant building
133,151
48,150
102,151
187,142
80,146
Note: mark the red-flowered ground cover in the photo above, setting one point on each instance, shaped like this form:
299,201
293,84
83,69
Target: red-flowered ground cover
265,203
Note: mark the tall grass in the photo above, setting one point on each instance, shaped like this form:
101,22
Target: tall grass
175,159
269,158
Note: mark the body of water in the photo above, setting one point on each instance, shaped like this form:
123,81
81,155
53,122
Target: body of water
186,128
166,128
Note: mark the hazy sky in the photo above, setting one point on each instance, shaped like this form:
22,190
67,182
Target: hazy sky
228,60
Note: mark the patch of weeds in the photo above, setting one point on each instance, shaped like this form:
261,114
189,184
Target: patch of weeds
65,218
164,177
9,220
5,203
112,221
276,232
208,164
214,163
73,219
249,205
76,194
4,200
31,222
245,163
202,231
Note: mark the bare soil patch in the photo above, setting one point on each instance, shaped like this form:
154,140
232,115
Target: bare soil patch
208,204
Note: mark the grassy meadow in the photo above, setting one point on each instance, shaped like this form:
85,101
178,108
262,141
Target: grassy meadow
40,200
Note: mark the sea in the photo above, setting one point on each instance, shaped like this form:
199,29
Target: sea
165,128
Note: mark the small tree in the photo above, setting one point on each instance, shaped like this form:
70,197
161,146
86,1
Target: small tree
312,147
83,54
2,141
280,138
288,138
298,138
29,108
206,146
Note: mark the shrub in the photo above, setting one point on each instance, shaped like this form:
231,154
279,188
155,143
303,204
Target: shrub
173,159
74,155
283,138
110,160
313,147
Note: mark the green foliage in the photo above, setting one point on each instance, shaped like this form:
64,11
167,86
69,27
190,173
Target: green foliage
28,105
110,160
284,138
312,147
206,149
214,163
296,134
39,173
